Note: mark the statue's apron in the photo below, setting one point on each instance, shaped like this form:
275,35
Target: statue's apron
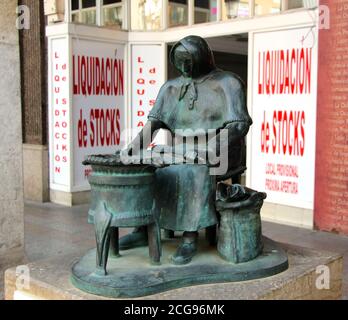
185,197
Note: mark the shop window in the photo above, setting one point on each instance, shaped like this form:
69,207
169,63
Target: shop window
112,13
267,6
75,5
89,12
232,9
294,4
75,10
84,11
308,4
205,10
146,14
177,13
75,17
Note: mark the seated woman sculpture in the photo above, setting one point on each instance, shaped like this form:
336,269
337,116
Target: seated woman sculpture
203,100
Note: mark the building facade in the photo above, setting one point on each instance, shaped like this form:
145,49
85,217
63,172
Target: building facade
108,58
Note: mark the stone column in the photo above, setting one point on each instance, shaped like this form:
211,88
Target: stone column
34,103
11,177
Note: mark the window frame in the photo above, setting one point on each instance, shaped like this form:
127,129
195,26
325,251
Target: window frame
126,12
99,12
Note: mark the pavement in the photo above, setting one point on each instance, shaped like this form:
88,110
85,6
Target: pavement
52,230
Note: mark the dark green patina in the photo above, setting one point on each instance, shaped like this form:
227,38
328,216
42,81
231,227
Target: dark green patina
159,191
131,276
122,197
240,232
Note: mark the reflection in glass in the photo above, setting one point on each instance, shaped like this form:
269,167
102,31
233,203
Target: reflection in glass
75,5
146,14
113,16
267,6
75,17
89,16
205,10
308,4
88,12
112,13
294,4
88,3
232,9
177,13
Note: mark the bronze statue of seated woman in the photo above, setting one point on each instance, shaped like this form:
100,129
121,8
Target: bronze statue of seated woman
205,111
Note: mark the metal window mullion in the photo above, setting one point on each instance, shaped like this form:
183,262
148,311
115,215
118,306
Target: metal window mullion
99,16
191,12
284,5
165,14
251,8
219,10
67,11
126,15
80,10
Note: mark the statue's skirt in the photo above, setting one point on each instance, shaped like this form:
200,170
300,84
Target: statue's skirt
185,197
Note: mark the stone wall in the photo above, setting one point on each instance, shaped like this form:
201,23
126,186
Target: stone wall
11,178
331,188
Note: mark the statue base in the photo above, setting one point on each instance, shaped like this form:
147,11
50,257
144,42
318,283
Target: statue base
50,280
131,275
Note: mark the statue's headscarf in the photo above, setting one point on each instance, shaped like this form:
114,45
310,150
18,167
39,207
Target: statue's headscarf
203,64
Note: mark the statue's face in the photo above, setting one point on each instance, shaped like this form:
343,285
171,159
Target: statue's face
183,61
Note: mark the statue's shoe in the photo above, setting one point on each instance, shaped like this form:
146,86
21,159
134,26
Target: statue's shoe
186,251
138,238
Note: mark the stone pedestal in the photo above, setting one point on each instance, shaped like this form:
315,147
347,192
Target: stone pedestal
11,178
50,279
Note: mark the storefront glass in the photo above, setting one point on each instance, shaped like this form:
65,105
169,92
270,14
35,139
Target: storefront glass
75,5
89,17
267,6
294,4
146,14
89,12
75,17
232,9
75,10
205,11
84,11
112,13
177,13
